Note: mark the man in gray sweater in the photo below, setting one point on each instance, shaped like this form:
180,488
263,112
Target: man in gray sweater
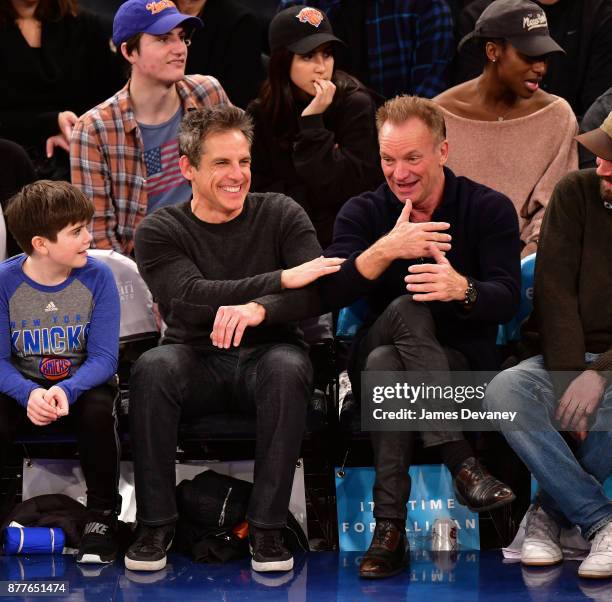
220,267
565,383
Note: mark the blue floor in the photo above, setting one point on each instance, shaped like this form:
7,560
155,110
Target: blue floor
317,577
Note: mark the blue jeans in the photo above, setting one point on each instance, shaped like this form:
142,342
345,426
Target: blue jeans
571,484
175,383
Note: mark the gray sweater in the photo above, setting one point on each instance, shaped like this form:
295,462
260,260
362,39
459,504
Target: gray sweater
194,267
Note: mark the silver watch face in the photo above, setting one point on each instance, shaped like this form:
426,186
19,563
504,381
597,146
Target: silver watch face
471,293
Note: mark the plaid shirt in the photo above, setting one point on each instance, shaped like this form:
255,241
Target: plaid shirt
410,43
107,160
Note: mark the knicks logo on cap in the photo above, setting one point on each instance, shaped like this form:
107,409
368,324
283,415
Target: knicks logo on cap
310,15
157,7
55,368
532,21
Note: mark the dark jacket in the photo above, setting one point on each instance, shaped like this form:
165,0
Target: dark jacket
51,510
333,157
582,28
17,171
74,70
485,246
229,47
573,282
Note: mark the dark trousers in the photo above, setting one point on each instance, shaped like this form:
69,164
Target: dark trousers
93,419
175,383
403,338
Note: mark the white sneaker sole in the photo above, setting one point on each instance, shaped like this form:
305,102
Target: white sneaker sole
93,559
540,561
145,565
265,567
539,557
594,573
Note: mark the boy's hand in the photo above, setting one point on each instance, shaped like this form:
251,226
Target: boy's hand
39,411
56,397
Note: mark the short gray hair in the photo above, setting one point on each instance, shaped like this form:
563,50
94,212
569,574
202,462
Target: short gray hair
197,125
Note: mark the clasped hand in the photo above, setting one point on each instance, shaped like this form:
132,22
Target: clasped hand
47,405
409,240
436,281
428,281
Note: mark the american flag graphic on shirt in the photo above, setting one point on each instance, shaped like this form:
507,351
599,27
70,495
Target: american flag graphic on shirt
163,172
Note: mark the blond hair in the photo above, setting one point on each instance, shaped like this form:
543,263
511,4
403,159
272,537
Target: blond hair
402,108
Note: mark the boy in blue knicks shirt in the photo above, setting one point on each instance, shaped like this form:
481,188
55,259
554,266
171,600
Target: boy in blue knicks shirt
59,339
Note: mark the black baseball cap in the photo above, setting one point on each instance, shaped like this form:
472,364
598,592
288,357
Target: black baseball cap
300,29
521,22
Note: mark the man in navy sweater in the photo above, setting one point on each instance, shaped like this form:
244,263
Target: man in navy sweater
437,258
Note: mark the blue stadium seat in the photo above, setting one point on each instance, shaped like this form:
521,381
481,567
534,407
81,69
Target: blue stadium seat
350,319
511,331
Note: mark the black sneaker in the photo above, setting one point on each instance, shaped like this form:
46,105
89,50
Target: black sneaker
98,543
148,552
267,550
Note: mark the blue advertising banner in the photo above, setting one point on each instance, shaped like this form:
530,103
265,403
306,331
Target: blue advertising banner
431,497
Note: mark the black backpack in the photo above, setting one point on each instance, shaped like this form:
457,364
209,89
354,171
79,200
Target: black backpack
211,527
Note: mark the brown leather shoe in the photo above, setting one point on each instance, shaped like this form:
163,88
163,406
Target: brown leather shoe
387,554
478,489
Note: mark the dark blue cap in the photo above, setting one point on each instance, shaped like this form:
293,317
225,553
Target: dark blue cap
149,16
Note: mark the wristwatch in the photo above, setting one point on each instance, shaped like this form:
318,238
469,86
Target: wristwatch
471,294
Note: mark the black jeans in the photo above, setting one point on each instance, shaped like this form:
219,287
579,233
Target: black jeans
403,338
175,383
93,419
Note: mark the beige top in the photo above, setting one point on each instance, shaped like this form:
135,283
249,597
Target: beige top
524,158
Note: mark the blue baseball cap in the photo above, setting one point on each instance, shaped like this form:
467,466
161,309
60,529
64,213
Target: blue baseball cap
149,16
